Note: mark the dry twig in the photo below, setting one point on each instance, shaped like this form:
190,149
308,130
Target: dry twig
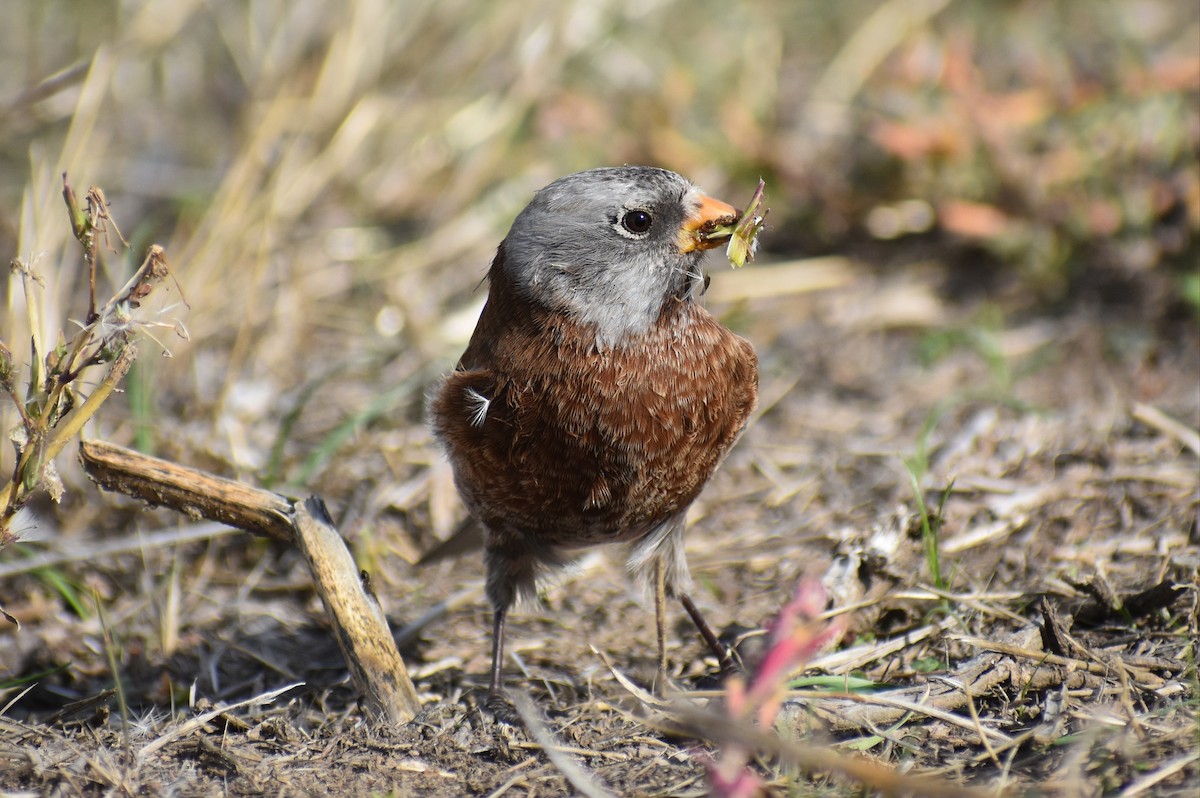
359,623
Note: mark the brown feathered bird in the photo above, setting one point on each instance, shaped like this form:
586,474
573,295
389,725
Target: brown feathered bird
596,396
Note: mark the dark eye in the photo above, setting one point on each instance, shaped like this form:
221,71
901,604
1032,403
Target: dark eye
636,221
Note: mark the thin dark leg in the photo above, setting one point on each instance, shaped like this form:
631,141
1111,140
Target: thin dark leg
497,703
496,687
724,655
660,622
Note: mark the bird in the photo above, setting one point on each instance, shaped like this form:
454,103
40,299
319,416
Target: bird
596,395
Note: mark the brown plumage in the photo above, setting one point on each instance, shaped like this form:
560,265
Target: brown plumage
596,396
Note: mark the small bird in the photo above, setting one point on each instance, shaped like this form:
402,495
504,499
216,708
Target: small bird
596,396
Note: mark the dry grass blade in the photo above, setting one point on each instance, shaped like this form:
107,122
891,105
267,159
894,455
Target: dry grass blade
413,629
198,722
921,706
1047,658
96,552
645,697
4,709
571,770
856,657
1153,417
1150,780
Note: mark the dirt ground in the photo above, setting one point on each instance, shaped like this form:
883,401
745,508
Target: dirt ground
1061,449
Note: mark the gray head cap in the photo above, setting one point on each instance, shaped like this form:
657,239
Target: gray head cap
608,247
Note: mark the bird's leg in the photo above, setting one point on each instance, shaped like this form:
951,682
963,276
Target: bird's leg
660,622
498,703
498,617
724,655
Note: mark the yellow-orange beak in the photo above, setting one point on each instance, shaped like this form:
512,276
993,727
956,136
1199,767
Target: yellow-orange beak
710,226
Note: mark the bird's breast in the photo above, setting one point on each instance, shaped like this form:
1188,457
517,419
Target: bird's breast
573,445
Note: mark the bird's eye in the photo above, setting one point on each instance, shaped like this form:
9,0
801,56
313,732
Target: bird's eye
636,222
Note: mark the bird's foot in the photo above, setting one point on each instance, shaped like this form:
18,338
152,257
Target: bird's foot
730,665
727,666
500,708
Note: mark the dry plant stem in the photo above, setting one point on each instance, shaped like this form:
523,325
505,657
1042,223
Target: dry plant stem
74,423
192,492
358,620
359,623
104,338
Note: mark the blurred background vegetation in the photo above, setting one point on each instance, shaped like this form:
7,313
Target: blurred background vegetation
329,180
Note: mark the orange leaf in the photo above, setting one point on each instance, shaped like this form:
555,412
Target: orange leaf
973,219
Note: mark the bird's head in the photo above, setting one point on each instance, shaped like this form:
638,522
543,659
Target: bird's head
611,247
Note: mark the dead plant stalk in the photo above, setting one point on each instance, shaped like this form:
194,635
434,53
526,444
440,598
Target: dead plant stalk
49,414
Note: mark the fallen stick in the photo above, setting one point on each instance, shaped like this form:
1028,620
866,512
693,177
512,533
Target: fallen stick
359,624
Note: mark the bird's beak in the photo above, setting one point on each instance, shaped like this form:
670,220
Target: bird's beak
711,225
